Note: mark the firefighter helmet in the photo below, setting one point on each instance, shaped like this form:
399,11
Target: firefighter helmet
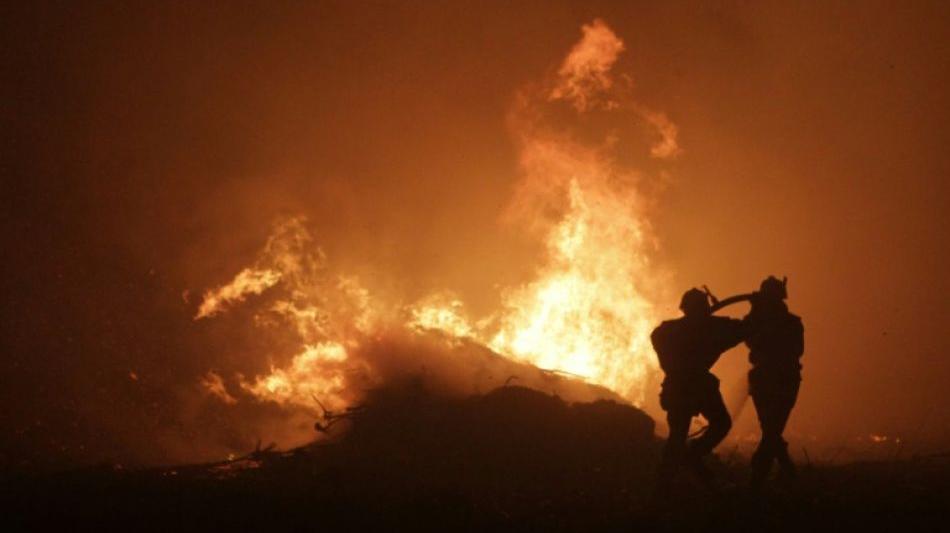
695,302
774,288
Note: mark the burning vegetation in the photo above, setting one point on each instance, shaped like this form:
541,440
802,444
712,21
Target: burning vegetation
587,314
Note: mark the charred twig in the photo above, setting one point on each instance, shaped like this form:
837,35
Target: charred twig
258,454
322,407
324,428
331,417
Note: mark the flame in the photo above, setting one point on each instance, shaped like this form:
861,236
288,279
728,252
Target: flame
324,311
316,372
441,312
286,254
248,281
588,312
213,384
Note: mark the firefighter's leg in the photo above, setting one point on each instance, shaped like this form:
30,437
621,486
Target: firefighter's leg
765,453
714,411
782,411
673,451
675,447
787,470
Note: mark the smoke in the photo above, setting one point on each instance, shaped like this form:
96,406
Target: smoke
289,252
666,147
584,78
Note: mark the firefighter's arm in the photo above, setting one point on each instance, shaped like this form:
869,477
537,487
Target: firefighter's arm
740,331
732,333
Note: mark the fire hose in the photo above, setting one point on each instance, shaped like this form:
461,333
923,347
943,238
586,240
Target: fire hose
737,401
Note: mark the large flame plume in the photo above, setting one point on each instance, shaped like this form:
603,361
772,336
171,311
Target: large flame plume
587,313
589,310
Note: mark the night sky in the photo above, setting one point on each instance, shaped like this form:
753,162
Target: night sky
148,148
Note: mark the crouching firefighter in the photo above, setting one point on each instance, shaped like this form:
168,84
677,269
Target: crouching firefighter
776,341
687,348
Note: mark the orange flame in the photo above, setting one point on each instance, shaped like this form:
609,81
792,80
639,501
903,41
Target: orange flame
248,281
587,313
590,310
441,312
318,371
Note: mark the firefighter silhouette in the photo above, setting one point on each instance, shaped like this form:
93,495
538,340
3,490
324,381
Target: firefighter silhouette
775,338
687,348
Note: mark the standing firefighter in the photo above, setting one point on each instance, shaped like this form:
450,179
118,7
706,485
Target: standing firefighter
687,348
776,343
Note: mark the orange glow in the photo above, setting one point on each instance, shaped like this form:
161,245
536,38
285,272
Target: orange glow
586,313
214,385
589,310
585,74
248,281
441,312
315,372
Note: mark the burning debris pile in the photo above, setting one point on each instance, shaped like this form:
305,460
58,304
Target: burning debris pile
410,455
513,442
587,313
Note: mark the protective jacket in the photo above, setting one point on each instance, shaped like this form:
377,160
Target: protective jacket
776,341
687,348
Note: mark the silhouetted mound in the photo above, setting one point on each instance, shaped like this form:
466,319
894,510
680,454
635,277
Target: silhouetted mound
512,442
510,456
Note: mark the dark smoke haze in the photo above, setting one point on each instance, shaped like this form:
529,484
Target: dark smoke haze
148,149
